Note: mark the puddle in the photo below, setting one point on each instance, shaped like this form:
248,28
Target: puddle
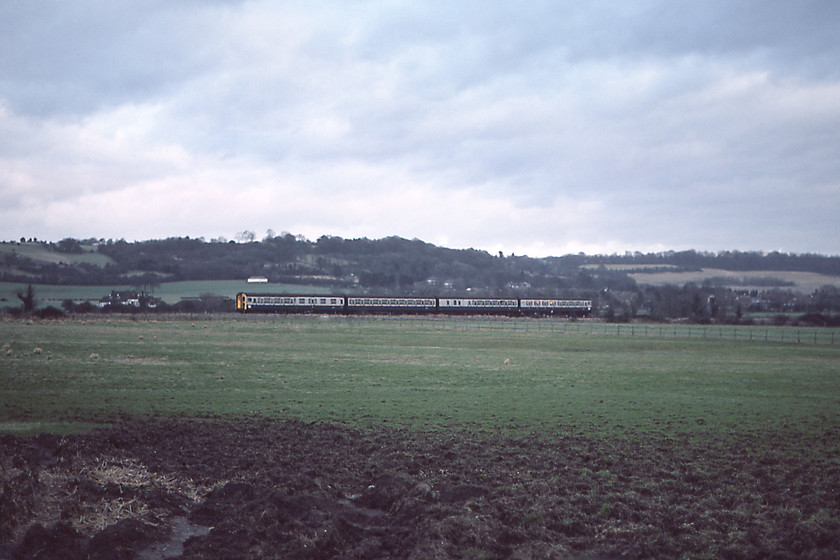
182,529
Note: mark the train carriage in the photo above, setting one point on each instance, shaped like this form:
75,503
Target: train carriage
555,307
275,303
478,306
391,305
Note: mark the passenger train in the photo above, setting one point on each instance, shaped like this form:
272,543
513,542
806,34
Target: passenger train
365,305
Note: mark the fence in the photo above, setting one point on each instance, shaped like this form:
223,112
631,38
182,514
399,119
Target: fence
754,333
795,335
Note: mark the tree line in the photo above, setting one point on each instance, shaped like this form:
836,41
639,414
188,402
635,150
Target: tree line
398,266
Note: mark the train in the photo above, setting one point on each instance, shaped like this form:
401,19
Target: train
368,305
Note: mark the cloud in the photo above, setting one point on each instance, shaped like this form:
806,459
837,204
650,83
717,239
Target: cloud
544,128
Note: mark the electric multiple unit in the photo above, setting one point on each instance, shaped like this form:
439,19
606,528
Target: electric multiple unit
364,305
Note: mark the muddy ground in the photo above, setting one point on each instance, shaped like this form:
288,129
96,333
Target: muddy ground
263,489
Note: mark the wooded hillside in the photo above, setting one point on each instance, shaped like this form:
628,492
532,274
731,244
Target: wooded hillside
741,281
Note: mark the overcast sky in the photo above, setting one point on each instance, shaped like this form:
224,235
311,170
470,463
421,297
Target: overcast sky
539,128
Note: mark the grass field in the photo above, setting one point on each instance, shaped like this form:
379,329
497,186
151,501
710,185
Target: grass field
465,438
660,275
170,292
44,254
67,374
805,282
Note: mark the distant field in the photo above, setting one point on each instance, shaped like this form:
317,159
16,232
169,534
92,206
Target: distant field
630,266
40,253
408,372
660,275
805,282
170,292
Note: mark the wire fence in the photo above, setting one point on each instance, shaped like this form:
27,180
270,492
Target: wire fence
796,335
750,333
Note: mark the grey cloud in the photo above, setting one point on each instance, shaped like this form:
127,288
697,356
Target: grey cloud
77,57
724,112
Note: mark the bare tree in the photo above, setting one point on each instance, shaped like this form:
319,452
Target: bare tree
246,236
28,299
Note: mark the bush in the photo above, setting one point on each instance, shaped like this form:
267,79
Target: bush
49,312
818,320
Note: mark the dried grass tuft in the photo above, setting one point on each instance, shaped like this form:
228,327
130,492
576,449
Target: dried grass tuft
105,513
128,472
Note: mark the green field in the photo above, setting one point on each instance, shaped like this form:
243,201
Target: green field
45,254
805,282
59,375
170,292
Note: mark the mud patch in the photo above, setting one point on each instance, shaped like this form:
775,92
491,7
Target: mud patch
217,489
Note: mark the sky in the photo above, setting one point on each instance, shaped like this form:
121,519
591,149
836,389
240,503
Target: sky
540,128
